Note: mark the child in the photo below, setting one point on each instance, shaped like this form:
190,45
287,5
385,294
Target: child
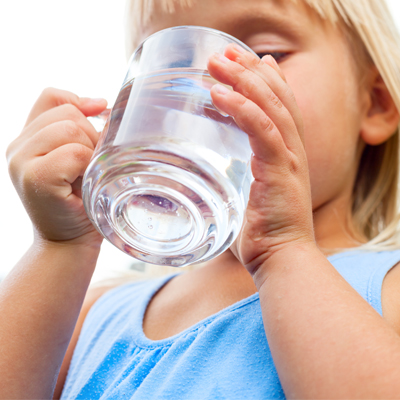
293,310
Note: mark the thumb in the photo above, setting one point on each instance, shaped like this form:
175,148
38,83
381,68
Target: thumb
52,97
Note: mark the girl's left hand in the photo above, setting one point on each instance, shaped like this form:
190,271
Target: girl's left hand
279,211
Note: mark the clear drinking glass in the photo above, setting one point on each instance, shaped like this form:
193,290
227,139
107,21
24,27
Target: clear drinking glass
170,177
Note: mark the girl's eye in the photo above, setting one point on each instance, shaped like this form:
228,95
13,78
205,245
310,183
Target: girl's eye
279,56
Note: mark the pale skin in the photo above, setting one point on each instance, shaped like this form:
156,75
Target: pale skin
307,120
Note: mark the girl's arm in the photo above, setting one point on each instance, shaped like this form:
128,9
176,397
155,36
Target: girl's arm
326,340
41,297
40,301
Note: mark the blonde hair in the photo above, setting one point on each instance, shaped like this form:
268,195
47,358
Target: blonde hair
370,27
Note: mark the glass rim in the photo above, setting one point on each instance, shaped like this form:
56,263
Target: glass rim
212,31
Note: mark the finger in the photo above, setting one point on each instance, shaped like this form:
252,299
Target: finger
295,111
253,86
65,112
265,139
271,73
60,168
56,135
52,97
269,60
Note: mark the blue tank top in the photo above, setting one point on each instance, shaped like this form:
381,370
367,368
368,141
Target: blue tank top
225,356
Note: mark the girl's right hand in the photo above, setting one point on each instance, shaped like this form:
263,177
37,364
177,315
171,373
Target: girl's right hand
47,162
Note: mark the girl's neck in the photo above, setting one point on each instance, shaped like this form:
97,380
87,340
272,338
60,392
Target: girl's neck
332,226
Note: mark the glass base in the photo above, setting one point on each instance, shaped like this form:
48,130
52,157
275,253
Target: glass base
164,213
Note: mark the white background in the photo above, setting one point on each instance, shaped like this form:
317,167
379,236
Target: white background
76,45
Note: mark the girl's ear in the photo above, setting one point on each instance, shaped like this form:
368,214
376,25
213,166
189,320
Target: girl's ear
381,115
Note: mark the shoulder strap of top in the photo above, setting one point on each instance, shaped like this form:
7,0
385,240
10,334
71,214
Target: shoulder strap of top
375,283
365,271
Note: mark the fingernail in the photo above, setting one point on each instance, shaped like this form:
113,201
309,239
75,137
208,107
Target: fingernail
221,58
221,89
239,49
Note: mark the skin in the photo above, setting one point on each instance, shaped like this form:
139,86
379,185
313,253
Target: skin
308,119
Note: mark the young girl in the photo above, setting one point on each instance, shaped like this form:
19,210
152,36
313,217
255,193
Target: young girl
294,309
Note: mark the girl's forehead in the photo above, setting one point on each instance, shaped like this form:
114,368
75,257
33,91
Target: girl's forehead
232,16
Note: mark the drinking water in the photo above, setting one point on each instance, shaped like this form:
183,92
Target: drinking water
170,178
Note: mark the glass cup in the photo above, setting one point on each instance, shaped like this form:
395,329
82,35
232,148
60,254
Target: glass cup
169,180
